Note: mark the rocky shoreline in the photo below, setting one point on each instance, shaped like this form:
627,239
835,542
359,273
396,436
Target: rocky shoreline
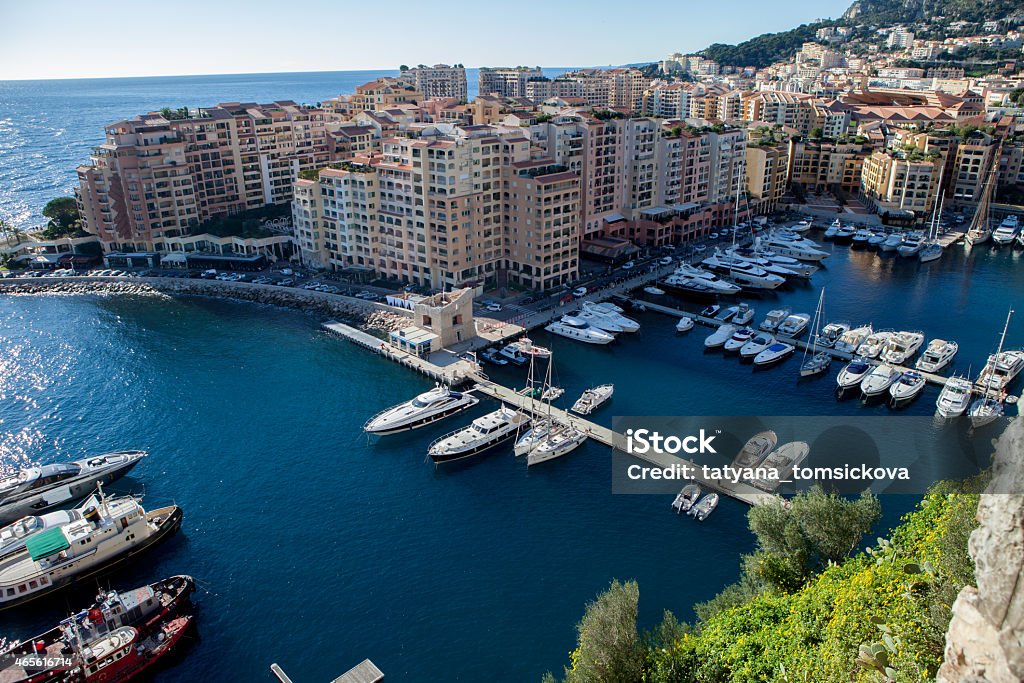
370,315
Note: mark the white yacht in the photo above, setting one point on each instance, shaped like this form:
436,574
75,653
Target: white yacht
985,410
905,389
832,333
597,320
851,340
1000,369
800,249
592,399
685,324
682,285
783,460
744,274
575,328
878,381
830,231
108,532
901,347
853,374
794,325
876,239
954,398
540,429
482,434
424,409
758,343
718,338
774,318
874,344
713,281
705,507
930,251
861,238
615,317
36,490
686,498
556,445
756,449
892,242
738,340
744,314
1006,232
514,354
12,536
912,244
775,353
759,253
763,263
938,354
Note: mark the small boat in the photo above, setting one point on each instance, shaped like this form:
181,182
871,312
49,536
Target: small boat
783,460
710,311
801,227
686,498
830,231
938,354
744,314
901,347
844,235
534,436
758,343
832,333
853,374
124,653
718,338
556,445
912,244
654,291
756,449
513,354
985,410
592,399
874,344
1006,231
573,328
908,387
776,353
525,346
878,381
876,240
705,507
738,339
491,356
685,324
552,394
426,408
892,242
851,340
955,397
860,238
774,318
794,325
482,434
930,251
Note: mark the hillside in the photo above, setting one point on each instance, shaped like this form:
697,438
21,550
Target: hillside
765,49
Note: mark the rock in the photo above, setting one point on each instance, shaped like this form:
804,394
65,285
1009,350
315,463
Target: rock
985,640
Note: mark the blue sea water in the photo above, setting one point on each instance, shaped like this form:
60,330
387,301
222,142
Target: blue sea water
49,127
316,548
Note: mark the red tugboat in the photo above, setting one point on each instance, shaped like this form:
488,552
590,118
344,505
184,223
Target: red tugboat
50,656
124,654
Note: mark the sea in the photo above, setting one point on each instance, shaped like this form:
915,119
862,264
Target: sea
315,547
49,127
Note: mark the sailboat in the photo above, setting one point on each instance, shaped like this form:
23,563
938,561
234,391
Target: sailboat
930,249
542,428
980,230
989,407
819,360
555,439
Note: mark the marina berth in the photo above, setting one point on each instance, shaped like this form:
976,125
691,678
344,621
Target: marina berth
483,434
110,532
878,381
776,353
937,355
955,397
851,340
426,408
758,343
905,389
718,338
572,327
39,489
901,347
783,460
593,398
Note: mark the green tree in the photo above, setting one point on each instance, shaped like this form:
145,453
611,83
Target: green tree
609,649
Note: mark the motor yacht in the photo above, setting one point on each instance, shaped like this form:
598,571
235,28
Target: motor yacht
718,338
744,314
876,240
844,235
513,354
596,320
36,490
892,242
874,344
718,284
685,324
911,246
654,291
765,264
878,381
832,333
860,238
938,354
1000,369
758,252
955,397
686,498
690,288
853,374
800,227
905,389
901,347
774,318
491,356
574,328
12,536
607,312
794,325
830,231
480,435
738,339
758,343
108,532
744,274
775,353
556,445
704,508
1006,232
426,408
593,398
783,460
851,340
756,449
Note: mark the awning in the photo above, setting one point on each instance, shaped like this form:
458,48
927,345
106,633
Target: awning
46,543
614,218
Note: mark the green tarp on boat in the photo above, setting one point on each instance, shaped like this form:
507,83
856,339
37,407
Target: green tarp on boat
46,543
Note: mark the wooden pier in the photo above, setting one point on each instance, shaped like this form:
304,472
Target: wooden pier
363,672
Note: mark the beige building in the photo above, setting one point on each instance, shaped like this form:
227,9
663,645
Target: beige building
827,164
507,81
441,80
902,181
767,173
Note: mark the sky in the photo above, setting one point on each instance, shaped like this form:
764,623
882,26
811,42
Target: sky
103,39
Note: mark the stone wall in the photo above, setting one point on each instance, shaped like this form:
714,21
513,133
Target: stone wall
985,640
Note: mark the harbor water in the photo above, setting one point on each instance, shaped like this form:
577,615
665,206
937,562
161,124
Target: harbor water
315,547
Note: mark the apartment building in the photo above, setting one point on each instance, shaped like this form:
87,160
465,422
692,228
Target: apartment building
767,173
440,80
793,110
160,176
507,81
894,180
605,88
377,95
827,164
667,100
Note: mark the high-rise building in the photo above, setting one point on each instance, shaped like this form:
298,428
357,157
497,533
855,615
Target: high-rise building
507,81
441,80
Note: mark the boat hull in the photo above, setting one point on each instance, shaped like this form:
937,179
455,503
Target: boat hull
475,450
423,421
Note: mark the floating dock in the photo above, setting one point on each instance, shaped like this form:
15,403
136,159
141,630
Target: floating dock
363,672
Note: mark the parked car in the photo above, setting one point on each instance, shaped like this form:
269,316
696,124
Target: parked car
665,260
494,307
579,291
628,265
287,282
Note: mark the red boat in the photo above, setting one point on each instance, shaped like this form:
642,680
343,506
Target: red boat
124,654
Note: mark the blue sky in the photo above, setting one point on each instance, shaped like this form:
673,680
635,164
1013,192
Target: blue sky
76,39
